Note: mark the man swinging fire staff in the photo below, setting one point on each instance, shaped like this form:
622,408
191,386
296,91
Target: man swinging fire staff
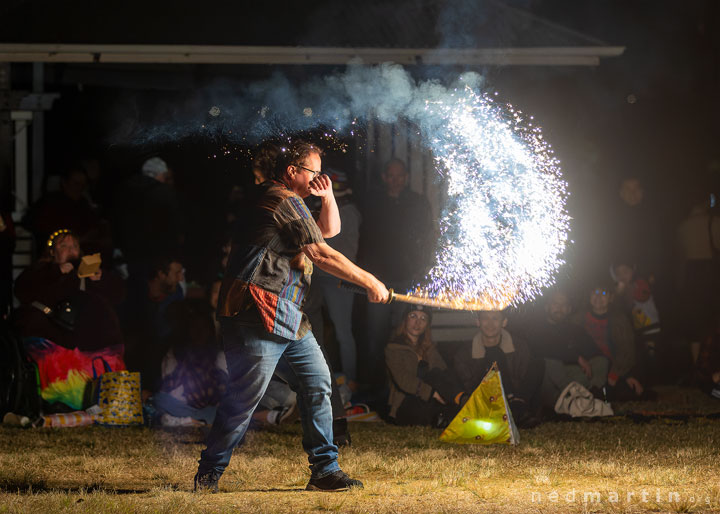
260,311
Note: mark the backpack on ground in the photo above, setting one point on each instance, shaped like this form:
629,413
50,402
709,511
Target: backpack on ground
19,387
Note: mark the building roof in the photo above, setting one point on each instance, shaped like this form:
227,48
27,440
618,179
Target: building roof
331,32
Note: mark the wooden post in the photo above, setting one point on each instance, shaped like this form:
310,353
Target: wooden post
6,140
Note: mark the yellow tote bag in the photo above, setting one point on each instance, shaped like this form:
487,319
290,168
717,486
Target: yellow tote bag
119,399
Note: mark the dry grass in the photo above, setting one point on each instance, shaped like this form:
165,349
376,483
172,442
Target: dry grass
97,469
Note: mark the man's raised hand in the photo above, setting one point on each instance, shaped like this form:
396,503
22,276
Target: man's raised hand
321,186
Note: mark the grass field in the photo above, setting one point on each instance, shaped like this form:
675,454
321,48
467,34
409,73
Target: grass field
606,466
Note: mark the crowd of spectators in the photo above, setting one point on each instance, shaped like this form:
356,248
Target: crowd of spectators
609,334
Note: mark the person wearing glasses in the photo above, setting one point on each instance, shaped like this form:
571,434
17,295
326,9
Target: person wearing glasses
260,309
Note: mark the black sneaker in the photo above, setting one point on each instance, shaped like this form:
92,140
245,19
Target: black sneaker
207,481
337,481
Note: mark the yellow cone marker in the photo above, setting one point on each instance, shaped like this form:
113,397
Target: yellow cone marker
486,417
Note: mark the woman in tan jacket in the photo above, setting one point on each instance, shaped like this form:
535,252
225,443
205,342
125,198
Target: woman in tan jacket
422,390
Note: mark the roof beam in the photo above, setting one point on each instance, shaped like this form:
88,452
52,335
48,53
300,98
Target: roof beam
204,54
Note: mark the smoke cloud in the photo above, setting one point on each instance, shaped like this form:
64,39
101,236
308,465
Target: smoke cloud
504,225
242,113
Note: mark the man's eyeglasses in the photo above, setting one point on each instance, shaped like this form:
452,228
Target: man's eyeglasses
314,173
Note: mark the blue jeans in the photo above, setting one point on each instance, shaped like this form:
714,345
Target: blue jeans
252,355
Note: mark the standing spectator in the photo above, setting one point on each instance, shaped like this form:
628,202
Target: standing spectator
422,389
395,244
521,372
69,209
636,231
698,269
147,221
339,302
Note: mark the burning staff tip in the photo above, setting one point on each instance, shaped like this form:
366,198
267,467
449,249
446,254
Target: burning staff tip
447,301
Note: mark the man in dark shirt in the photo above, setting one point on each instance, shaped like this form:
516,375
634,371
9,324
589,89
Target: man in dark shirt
260,310
395,244
145,321
570,354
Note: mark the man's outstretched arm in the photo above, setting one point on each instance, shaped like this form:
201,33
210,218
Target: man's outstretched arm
335,263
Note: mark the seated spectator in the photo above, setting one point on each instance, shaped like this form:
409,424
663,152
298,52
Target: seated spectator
612,333
194,373
422,389
193,370
58,305
634,296
520,371
569,352
708,363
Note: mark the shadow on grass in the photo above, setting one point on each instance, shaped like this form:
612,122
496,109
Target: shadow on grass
40,486
273,490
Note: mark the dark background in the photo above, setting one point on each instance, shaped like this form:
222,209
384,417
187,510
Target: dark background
650,113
